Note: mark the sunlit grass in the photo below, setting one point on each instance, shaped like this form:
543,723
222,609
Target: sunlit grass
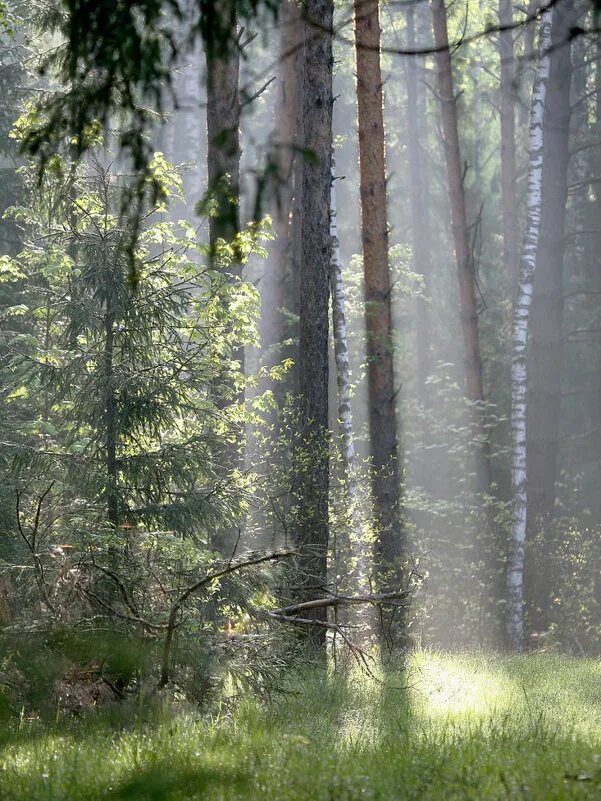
471,727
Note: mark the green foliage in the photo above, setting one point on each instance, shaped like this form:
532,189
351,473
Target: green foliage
471,727
115,61
121,403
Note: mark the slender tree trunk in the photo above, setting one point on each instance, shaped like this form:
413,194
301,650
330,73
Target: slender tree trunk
508,162
468,307
223,168
312,456
547,302
286,141
345,416
544,359
521,325
110,418
279,288
420,217
378,317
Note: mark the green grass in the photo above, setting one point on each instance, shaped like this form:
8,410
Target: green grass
472,727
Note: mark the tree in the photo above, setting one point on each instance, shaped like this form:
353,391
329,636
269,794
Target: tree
312,467
521,325
544,358
125,371
280,283
223,137
468,306
345,414
420,217
386,487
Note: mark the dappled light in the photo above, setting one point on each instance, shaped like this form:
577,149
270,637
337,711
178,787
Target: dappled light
300,400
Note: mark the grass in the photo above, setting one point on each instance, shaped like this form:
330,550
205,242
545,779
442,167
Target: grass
472,727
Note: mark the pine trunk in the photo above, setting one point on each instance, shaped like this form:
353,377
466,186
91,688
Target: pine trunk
521,325
312,458
223,141
378,316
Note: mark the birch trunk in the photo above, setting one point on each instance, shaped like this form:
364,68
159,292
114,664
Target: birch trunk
381,392
311,532
345,416
468,308
521,324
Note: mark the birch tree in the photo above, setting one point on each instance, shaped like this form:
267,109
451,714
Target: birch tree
521,324
345,415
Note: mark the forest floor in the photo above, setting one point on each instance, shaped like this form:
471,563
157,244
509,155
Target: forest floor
471,727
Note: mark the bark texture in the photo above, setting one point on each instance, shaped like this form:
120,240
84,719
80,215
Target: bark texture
468,307
374,219
521,324
544,359
223,134
312,459
345,415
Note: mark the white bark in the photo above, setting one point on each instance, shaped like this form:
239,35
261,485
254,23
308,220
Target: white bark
521,324
343,380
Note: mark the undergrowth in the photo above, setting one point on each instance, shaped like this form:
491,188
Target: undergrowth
468,727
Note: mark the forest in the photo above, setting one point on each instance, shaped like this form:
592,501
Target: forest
300,400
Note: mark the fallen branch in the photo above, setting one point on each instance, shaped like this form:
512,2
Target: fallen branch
378,599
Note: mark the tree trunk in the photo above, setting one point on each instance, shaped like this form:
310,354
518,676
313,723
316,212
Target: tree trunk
521,324
223,168
110,418
468,308
378,315
544,358
223,141
345,416
547,301
286,141
420,217
508,162
312,456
